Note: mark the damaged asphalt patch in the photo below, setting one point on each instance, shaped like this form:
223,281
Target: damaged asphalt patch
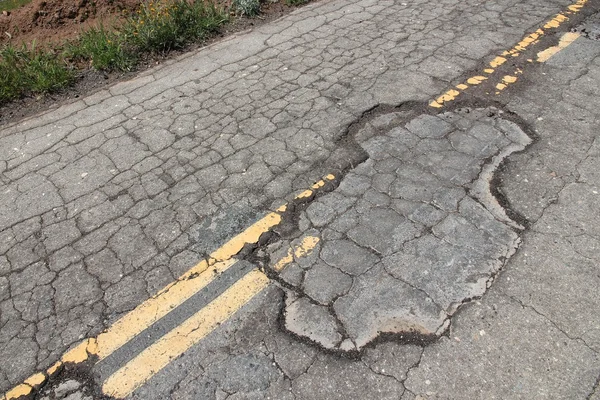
440,239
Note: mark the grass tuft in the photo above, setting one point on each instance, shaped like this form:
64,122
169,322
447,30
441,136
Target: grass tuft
105,50
159,27
25,69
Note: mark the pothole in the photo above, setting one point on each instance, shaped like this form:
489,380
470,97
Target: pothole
409,235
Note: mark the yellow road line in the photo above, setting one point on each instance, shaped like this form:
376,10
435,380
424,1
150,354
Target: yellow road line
564,41
515,51
508,80
171,296
156,307
157,356
303,249
188,284
18,391
543,56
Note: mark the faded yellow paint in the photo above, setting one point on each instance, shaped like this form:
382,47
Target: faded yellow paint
497,61
524,43
304,195
305,247
446,97
92,346
308,192
18,391
157,356
564,41
285,260
575,7
77,354
476,80
250,235
515,51
319,184
556,21
54,368
451,95
35,380
509,79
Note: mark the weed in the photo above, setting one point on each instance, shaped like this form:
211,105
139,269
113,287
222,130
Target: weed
26,69
247,7
159,27
105,50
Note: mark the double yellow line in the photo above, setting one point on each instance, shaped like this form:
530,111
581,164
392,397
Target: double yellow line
157,356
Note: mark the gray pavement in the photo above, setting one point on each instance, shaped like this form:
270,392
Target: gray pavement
424,285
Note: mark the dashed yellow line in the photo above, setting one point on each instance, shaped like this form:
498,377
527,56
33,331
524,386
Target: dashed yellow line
515,51
543,56
155,357
564,41
18,391
508,80
156,307
309,192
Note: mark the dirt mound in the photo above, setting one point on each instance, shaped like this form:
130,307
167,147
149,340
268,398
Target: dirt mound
49,21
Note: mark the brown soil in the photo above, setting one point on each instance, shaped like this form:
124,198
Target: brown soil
53,21
65,19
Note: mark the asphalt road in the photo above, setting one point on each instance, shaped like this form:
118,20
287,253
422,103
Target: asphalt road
361,200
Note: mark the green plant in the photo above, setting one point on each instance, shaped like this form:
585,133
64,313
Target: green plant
8,5
163,26
105,50
157,27
26,69
247,7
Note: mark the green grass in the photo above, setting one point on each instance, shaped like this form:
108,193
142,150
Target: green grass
26,70
103,49
8,5
157,28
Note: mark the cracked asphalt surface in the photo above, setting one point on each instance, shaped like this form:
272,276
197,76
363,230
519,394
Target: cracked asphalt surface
458,249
